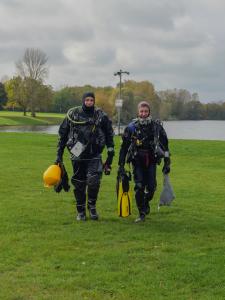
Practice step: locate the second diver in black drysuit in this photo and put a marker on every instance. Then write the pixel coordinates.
(144, 144)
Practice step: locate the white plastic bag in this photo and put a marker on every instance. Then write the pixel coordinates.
(167, 194)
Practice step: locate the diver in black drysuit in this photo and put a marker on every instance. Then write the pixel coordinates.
(85, 131)
(144, 144)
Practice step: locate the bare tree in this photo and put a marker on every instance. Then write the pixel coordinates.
(33, 64)
(33, 69)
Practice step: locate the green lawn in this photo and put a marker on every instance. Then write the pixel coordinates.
(17, 118)
(178, 253)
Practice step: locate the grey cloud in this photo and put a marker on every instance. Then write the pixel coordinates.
(145, 13)
(23, 7)
(105, 56)
(171, 43)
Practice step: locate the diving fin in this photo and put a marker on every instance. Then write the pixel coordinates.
(124, 195)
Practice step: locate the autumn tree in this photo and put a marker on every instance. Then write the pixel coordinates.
(17, 96)
(64, 99)
(19, 91)
(39, 95)
(194, 110)
(104, 99)
(136, 92)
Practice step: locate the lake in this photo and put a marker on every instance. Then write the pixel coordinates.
(195, 130)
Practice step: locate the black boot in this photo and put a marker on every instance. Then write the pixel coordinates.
(140, 218)
(93, 213)
(81, 212)
(92, 209)
(148, 197)
(147, 208)
(141, 205)
(80, 198)
(81, 216)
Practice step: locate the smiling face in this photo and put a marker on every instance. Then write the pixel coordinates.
(89, 101)
(143, 112)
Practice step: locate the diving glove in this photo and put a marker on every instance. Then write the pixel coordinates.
(166, 166)
(107, 168)
(110, 155)
(107, 165)
(58, 160)
(64, 182)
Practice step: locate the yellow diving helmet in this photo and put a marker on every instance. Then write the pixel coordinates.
(52, 176)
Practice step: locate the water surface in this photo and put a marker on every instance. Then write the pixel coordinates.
(195, 130)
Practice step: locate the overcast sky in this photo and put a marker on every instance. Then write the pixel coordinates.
(172, 43)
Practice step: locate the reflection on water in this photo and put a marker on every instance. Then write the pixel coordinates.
(197, 130)
(49, 129)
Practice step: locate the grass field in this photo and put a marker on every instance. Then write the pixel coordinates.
(17, 118)
(178, 253)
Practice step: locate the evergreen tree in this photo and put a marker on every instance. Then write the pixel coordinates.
(3, 96)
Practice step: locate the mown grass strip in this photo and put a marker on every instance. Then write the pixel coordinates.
(17, 118)
(178, 253)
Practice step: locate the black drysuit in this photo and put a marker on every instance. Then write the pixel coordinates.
(139, 146)
(93, 129)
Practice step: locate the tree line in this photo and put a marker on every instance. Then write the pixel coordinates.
(27, 91)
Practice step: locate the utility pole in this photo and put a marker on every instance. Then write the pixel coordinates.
(119, 102)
